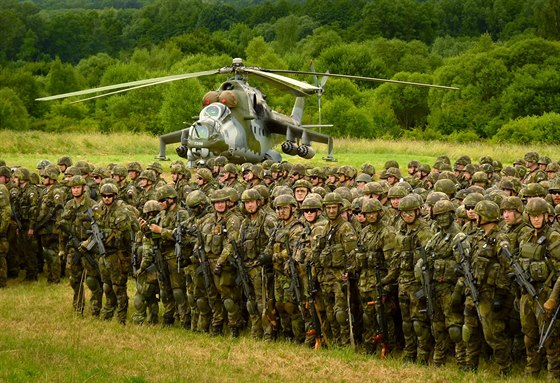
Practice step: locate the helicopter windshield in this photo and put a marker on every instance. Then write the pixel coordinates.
(215, 111)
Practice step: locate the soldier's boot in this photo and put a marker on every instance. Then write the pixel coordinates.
(235, 332)
(94, 285)
(167, 321)
(216, 330)
(122, 303)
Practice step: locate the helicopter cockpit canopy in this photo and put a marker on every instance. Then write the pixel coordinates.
(215, 111)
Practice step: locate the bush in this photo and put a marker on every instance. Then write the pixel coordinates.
(526, 130)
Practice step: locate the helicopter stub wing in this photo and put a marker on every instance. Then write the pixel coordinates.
(295, 87)
(124, 87)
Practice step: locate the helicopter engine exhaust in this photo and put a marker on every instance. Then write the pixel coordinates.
(182, 151)
(290, 148)
(305, 151)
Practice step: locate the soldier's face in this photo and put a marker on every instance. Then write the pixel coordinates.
(360, 217)
(143, 182)
(251, 206)
(220, 206)
(395, 202)
(284, 212)
(133, 174)
(300, 194)
(470, 213)
(310, 215)
(408, 216)
(538, 221)
(372, 217)
(77, 190)
(555, 194)
(509, 216)
(332, 211)
(175, 177)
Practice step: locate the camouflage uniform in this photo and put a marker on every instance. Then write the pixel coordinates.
(52, 204)
(217, 233)
(5, 214)
(284, 243)
(411, 236)
(75, 224)
(494, 290)
(539, 256)
(375, 261)
(114, 223)
(335, 259)
(172, 287)
(254, 236)
(448, 320)
(26, 207)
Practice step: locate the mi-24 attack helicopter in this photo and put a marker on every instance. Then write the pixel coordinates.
(236, 121)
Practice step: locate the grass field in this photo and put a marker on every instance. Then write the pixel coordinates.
(27, 148)
(41, 340)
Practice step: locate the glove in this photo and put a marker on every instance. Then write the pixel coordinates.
(218, 269)
(457, 299)
(550, 305)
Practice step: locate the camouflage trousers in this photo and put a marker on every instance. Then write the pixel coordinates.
(374, 321)
(416, 324)
(80, 271)
(146, 301)
(447, 326)
(290, 314)
(260, 327)
(532, 323)
(173, 296)
(114, 275)
(49, 242)
(3, 261)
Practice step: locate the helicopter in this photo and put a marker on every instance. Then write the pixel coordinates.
(236, 122)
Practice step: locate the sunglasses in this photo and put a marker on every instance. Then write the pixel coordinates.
(96, 177)
(311, 211)
(554, 192)
(107, 196)
(469, 207)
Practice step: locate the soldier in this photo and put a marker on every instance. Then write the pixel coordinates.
(539, 255)
(413, 233)
(377, 273)
(534, 173)
(134, 170)
(64, 163)
(146, 301)
(253, 176)
(228, 178)
(204, 181)
(114, 223)
(171, 277)
(127, 190)
(180, 176)
(199, 211)
(75, 226)
(158, 170)
(25, 207)
(395, 194)
(335, 258)
(254, 235)
(219, 231)
(488, 317)
(5, 216)
(447, 319)
(301, 189)
(50, 209)
(146, 183)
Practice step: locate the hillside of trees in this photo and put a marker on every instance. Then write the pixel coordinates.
(504, 55)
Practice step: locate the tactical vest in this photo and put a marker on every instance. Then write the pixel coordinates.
(532, 258)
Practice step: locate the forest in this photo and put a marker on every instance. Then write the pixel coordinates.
(504, 55)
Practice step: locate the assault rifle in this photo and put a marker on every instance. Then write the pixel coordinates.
(470, 281)
(546, 334)
(204, 264)
(295, 285)
(243, 276)
(160, 264)
(178, 240)
(426, 290)
(96, 233)
(315, 319)
(521, 276)
(383, 336)
(76, 245)
(269, 310)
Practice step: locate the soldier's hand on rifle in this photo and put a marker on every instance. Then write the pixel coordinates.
(218, 269)
(550, 305)
(30, 233)
(155, 228)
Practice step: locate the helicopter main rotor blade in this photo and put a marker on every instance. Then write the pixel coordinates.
(297, 88)
(128, 86)
(362, 78)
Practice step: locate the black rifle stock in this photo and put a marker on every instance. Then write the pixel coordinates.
(470, 281)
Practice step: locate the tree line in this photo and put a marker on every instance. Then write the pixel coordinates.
(503, 54)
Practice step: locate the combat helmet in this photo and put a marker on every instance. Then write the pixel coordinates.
(52, 171)
(196, 198)
(443, 206)
(148, 175)
(512, 203)
(488, 211)
(333, 199)
(219, 195)
(410, 202)
(251, 195)
(22, 174)
(537, 206)
(397, 192)
(151, 206)
(119, 171)
(284, 200)
(166, 192)
(5, 172)
(371, 205)
(77, 180)
(534, 190)
(108, 188)
(64, 160)
(312, 202)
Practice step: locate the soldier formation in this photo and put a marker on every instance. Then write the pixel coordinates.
(446, 262)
